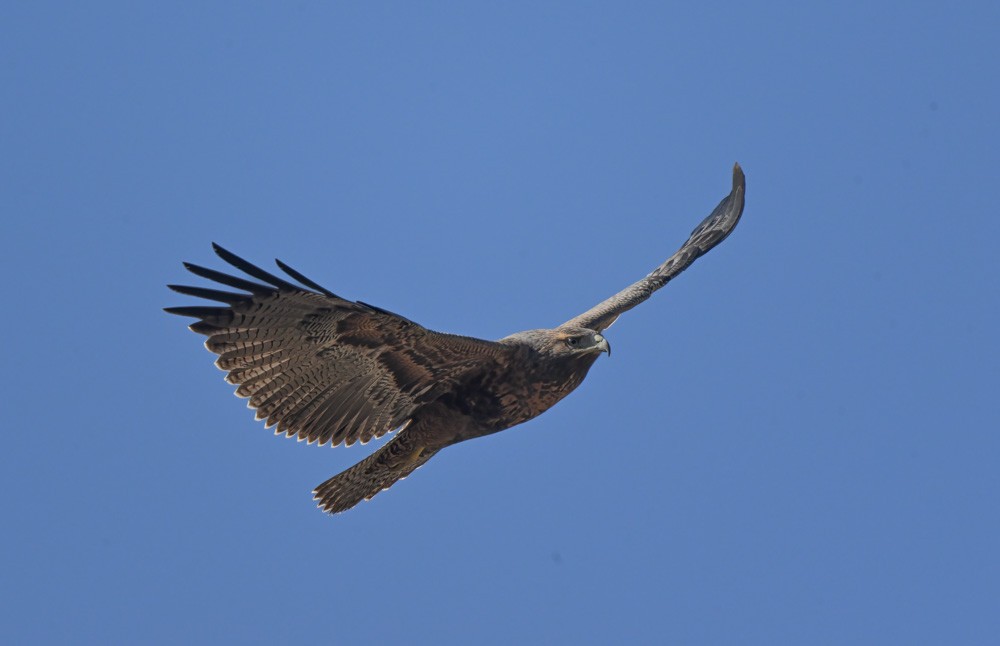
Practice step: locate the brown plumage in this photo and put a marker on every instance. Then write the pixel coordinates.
(328, 370)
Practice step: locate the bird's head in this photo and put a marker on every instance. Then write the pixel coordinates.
(564, 342)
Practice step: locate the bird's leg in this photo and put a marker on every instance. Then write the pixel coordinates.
(414, 456)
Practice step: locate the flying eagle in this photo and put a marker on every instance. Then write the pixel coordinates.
(322, 368)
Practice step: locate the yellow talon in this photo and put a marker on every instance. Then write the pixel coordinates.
(414, 456)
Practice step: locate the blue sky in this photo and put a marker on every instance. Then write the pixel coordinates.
(794, 442)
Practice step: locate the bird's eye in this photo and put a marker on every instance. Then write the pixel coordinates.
(573, 341)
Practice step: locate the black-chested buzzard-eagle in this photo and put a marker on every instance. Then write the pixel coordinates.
(325, 369)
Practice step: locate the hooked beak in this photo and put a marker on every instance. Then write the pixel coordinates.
(602, 344)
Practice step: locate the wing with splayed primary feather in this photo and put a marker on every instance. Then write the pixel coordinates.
(712, 230)
(320, 367)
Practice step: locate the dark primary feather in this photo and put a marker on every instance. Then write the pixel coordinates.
(199, 311)
(319, 367)
(230, 298)
(251, 269)
(226, 279)
(712, 230)
(302, 279)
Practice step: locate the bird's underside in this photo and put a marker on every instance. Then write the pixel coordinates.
(325, 369)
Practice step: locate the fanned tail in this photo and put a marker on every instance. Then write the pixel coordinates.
(379, 471)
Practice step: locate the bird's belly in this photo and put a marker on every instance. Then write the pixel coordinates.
(508, 403)
(521, 406)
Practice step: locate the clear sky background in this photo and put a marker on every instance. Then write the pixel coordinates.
(794, 442)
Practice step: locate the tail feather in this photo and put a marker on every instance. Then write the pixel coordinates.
(379, 471)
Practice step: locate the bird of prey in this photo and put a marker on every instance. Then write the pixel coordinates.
(325, 369)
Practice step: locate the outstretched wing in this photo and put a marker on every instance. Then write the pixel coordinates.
(712, 230)
(318, 366)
